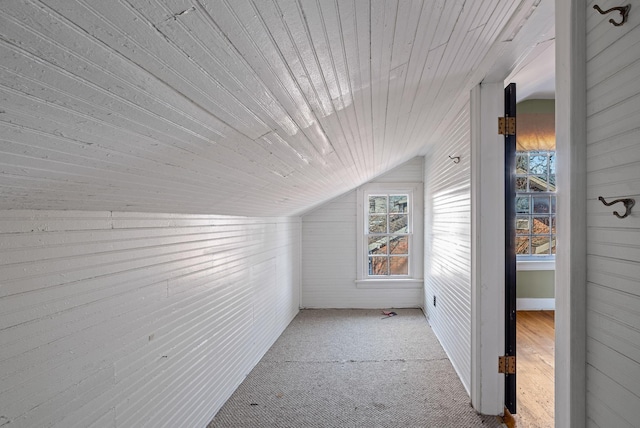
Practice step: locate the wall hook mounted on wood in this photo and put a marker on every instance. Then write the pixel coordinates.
(628, 203)
(456, 159)
(624, 11)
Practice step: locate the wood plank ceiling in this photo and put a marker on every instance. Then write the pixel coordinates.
(263, 107)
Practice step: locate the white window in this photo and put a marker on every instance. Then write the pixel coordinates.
(390, 218)
(535, 204)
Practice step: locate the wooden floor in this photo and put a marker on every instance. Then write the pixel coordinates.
(535, 369)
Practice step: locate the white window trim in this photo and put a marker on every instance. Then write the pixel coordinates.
(416, 248)
(536, 263)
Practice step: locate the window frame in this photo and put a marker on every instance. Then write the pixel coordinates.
(415, 232)
(537, 261)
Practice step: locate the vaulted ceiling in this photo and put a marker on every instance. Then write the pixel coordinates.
(263, 107)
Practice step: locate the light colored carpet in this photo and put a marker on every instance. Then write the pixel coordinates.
(351, 368)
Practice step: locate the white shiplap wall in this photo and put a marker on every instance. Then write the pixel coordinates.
(613, 245)
(448, 244)
(131, 320)
(329, 253)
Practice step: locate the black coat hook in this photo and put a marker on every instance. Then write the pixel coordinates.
(456, 159)
(628, 203)
(624, 11)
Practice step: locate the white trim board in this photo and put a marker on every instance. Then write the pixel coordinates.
(390, 283)
(487, 248)
(529, 265)
(535, 304)
(571, 260)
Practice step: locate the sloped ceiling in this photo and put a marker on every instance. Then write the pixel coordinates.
(534, 76)
(263, 107)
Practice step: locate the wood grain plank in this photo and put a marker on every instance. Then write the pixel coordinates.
(535, 368)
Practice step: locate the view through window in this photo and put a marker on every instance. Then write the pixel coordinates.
(388, 234)
(536, 203)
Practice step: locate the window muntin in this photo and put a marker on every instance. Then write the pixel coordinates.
(388, 234)
(535, 203)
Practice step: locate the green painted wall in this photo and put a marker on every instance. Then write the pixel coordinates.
(535, 284)
(536, 106)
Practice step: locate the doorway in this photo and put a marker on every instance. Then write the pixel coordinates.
(534, 172)
(530, 78)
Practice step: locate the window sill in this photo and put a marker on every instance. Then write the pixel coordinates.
(391, 283)
(528, 264)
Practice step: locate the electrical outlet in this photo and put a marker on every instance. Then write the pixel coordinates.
(434, 300)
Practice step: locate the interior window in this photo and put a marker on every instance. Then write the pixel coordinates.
(536, 203)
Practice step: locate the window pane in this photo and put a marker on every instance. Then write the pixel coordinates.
(552, 163)
(522, 204)
(387, 232)
(521, 184)
(377, 224)
(377, 204)
(538, 183)
(522, 163)
(398, 223)
(553, 204)
(541, 204)
(552, 183)
(378, 244)
(399, 245)
(522, 226)
(538, 163)
(378, 265)
(553, 244)
(522, 244)
(541, 226)
(540, 245)
(553, 224)
(399, 265)
(398, 204)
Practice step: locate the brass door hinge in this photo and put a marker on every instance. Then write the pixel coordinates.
(507, 364)
(507, 126)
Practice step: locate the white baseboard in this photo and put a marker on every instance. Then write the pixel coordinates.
(532, 304)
